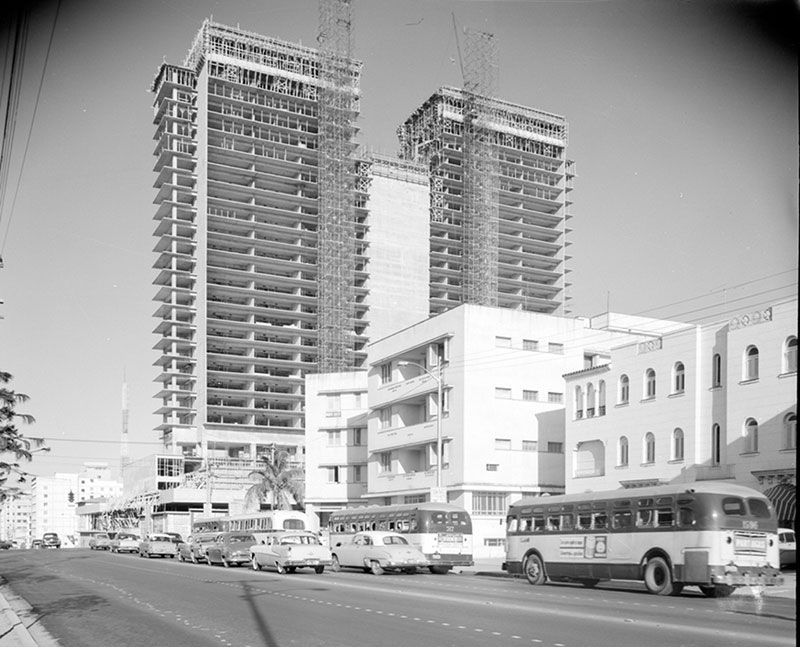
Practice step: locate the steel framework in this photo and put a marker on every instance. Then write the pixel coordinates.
(338, 95)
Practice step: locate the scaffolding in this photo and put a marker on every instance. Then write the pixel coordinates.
(481, 171)
(338, 104)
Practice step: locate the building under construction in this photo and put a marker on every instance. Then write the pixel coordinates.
(500, 187)
(260, 225)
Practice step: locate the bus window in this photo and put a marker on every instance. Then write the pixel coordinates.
(553, 522)
(600, 520)
(585, 521)
(513, 524)
(664, 500)
(567, 522)
(645, 518)
(733, 506)
(538, 524)
(621, 519)
(645, 503)
(665, 518)
(402, 525)
(686, 517)
(758, 508)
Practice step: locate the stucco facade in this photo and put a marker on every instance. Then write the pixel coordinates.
(713, 401)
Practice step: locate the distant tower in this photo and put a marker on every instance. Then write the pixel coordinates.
(124, 457)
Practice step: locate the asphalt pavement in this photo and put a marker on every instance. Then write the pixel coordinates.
(19, 624)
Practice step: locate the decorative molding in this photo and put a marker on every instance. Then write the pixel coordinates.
(750, 319)
(649, 346)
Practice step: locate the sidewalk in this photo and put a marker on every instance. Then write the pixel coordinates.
(491, 568)
(18, 623)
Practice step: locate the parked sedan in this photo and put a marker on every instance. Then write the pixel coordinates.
(100, 541)
(376, 552)
(289, 550)
(230, 548)
(194, 548)
(157, 544)
(125, 542)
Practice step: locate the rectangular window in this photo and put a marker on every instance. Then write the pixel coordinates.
(334, 438)
(557, 398)
(333, 474)
(358, 436)
(492, 467)
(530, 344)
(386, 417)
(502, 342)
(385, 461)
(531, 396)
(358, 473)
(386, 373)
(489, 503)
(529, 445)
(502, 443)
(555, 348)
(502, 392)
(334, 403)
(357, 400)
(555, 448)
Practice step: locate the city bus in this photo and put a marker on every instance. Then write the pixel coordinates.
(441, 531)
(713, 535)
(259, 523)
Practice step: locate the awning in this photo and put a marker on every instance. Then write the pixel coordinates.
(783, 497)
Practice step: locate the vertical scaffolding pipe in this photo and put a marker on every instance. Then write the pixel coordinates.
(336, 231)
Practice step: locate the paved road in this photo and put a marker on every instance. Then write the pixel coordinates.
(88, 599)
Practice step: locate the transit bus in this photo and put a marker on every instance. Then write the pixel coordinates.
(258, 523)
(441, 531)
(713, 535)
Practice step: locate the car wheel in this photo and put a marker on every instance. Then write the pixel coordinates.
(319, 569)
(375, 568)
(254, 563)
(335, 565)
(410, 570)
(226, 563)
(194, 558)
(280, 568)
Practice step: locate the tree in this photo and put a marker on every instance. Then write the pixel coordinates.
(279, 482)
(14, 447)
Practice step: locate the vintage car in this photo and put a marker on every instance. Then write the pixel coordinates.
(786, 547)
(230, 548)
(51, 540)
(194, 548)
(125, 542)
(100, 541)
(288, 550)
(157, 544)
(376, 552)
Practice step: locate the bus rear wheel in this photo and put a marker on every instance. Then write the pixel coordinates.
(534, 569)
(658, 577)
(718, 591)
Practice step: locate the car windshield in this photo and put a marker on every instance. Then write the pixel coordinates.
(240, 539)
(394, 539)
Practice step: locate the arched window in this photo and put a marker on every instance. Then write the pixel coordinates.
(716, 370)
(622, 452)
(716, 444)
(790, 431)
(578, 402)
(590, 400)
(678, 378)
(649, 384)
(649, 448)
(624, 389)
(790, 355)
(751, 363)
(750, 436)
(677, 444)
(601, 398)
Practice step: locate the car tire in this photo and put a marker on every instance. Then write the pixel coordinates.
(335, 565)
(194, 558)
(375, 568)
(226, 563)
(280, 568)
(254, 563)
(319, 569)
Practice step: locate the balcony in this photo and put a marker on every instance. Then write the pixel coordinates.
(393, 392)
(395, 437)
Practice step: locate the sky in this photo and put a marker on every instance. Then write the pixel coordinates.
(683, 124)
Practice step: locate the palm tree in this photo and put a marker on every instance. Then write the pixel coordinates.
(279, 482)
(11, 440)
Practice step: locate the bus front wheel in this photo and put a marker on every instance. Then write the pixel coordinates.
(534, 569)
(658, 577)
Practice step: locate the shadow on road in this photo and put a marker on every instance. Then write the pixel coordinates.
(250, 595)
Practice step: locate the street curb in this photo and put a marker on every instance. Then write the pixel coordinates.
(19, 624)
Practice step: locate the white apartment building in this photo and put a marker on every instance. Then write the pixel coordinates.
(499, 372)
(336, 443)
(16, 518)
(713, 401)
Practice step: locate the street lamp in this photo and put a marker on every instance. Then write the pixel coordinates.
(438, 379)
